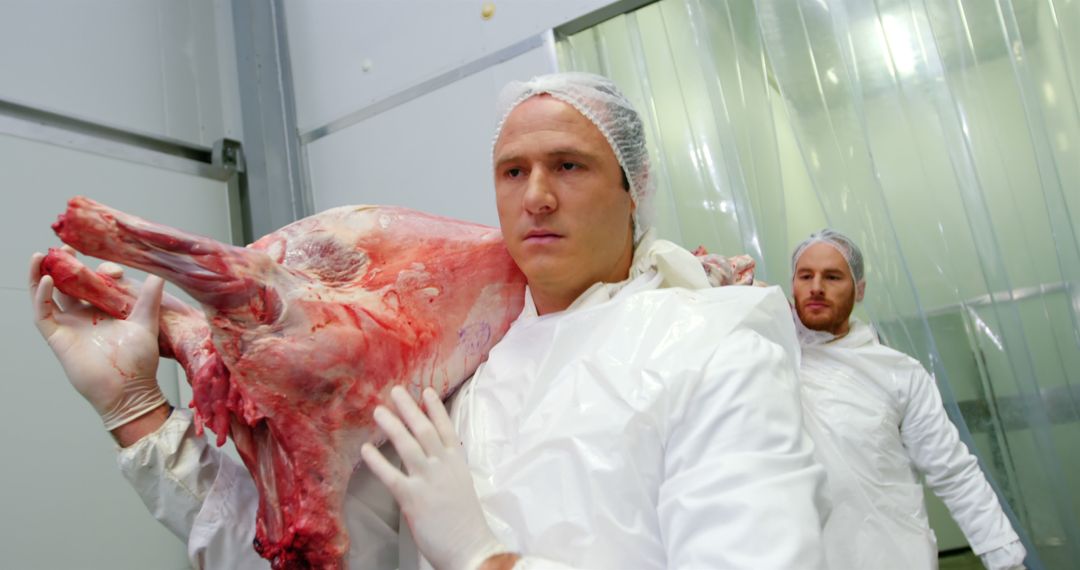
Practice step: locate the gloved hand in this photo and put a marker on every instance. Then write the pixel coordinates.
(437, 495)
(112, 363)
(1008, 557)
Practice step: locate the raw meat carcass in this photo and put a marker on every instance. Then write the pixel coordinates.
(720, 270)
(304, 333)
(184, 333)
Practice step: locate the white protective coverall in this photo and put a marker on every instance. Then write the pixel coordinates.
(877, 422)
(644, 427)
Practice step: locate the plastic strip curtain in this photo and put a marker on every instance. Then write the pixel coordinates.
(942, 135)
(714, 185)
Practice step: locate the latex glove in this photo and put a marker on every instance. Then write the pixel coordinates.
(1008, 557)
(437, 494)
(112, 363)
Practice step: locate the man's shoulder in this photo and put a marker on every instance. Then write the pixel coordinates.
(714, 298)
(876, 356)
(710, 318)
(898, 358)
(720, 307)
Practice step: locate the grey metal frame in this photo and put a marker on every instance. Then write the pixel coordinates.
(278, 189)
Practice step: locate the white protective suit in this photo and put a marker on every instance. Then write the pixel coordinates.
(877, 422)
(644, 427)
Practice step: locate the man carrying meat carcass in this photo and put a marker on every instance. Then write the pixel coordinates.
(632, 417)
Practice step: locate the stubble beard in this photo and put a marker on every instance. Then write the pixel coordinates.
(829, 321)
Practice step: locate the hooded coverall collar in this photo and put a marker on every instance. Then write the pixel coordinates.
(656, 263)
(859, 334)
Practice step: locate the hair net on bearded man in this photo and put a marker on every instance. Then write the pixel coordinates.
(842, 243)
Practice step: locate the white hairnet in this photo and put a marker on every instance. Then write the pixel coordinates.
(841, 243)
(599, 100)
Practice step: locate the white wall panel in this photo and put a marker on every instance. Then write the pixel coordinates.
(163, 67)
(432, 153)
(39, 179)
(405, 41)
(64, 504)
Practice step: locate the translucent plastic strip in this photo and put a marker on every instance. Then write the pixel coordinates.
(770, 198)
(1065, 239)
(965, 175)
(870, 13)
(1066, 56)
(1053, 187)
(957, 132)
(776, 206)
(730, 167)
(709, 173)
(660, 169)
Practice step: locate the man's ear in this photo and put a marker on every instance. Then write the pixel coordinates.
(860, 290)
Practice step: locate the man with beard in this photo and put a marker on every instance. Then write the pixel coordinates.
(878, 424)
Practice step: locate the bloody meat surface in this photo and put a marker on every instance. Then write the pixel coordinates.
(302, 333)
